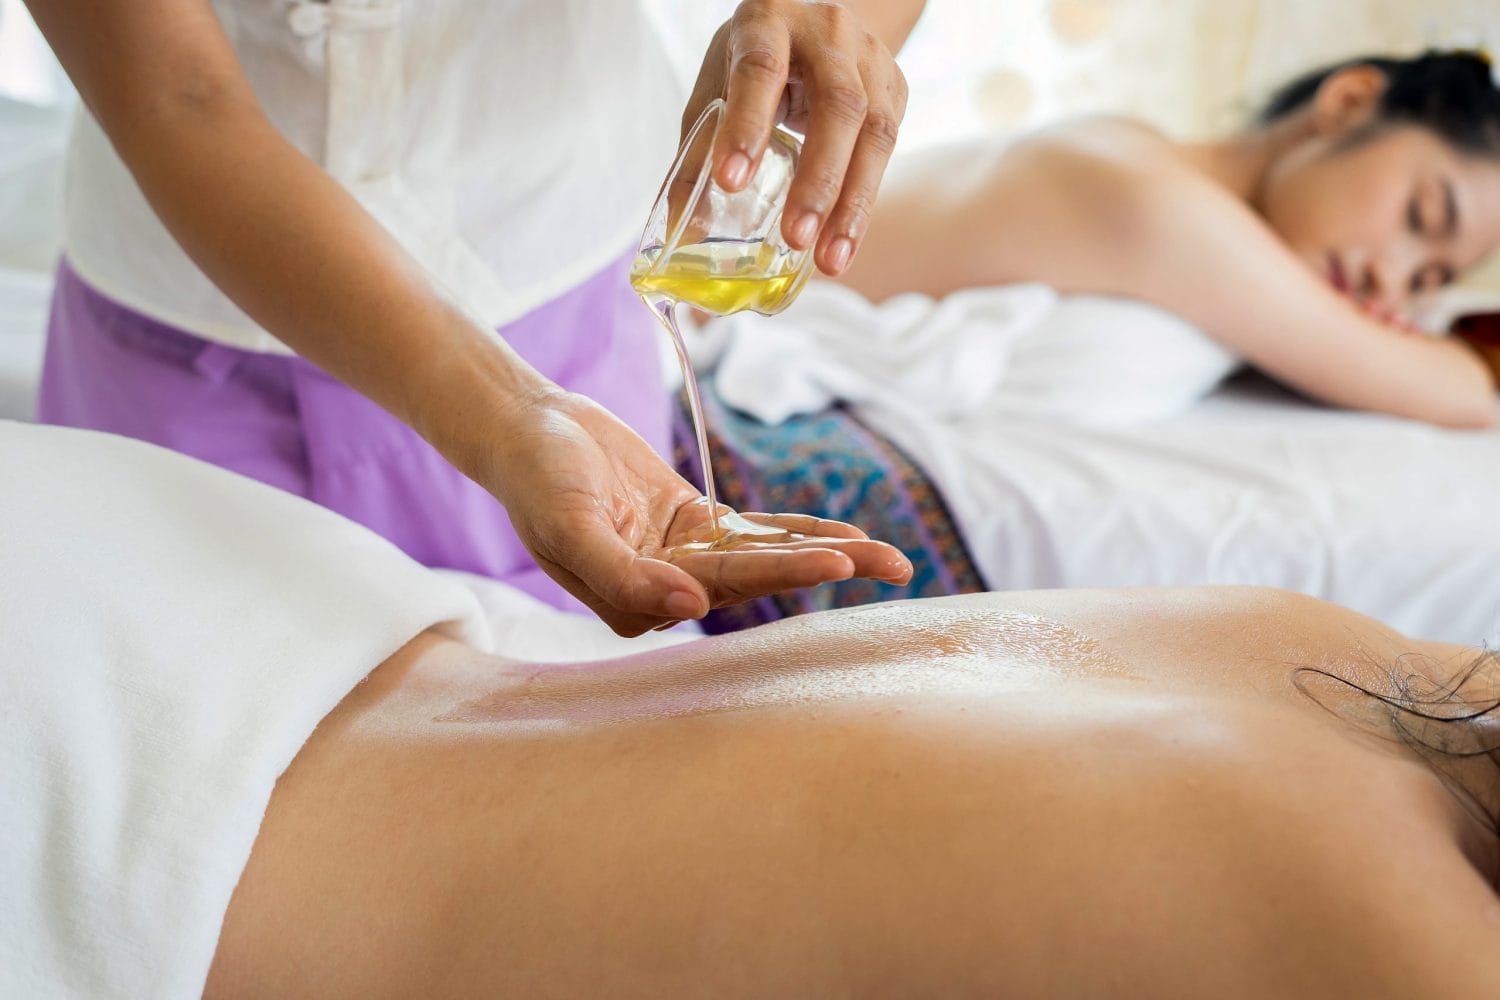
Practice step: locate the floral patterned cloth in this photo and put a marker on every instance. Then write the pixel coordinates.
(830, 465)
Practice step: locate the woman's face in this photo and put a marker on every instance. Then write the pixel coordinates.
(1385, 215)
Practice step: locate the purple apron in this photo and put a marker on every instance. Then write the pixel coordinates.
(281, 420)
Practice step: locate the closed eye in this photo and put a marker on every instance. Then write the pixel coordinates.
(1422, 223)
(1431, 278)
(1414, 217)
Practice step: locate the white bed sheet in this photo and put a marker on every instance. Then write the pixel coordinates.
(1389, 517)
(1398, 520)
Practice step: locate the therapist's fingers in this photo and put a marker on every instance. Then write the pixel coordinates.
(743, 574)
(844, 89)
(850, 218)
(807, 524)
(837, 108)
(871, 559)
(752, 569)
(759, 51)
(629, 592)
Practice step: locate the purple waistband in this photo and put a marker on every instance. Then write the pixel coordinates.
(285, 422)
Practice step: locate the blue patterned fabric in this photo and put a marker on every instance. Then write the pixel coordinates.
(830, 465)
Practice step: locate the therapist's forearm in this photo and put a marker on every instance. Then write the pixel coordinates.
(292, 248)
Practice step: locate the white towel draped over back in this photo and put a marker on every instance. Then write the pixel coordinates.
(170, 634)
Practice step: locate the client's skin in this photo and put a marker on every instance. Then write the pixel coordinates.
(1064, 794)
(1302, 244)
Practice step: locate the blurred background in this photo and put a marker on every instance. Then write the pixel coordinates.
(1193, 67)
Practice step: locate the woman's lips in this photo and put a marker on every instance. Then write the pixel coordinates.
(1336, 276)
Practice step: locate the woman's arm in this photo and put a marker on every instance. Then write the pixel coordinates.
(594, 505)
(1091, 209)
(1208, 258)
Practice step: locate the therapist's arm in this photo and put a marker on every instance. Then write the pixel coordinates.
(835, 61)
(293, 249)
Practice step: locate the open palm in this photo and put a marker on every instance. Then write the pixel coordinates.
(602, 513)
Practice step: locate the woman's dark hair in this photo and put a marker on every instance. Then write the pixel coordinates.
(1452, 93)
(1453, 724)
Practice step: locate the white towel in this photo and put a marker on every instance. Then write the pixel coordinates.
(170, 634)
(1017, 350)
(523, 628)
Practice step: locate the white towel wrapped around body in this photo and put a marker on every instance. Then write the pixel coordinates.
(1015, 349)
(171, 635)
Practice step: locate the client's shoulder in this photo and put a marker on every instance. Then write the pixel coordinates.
(1122, 147)
(1120, 174)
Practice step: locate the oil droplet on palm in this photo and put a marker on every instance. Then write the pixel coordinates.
(732, 531)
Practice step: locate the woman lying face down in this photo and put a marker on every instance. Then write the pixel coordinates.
(1304, 243)
(1091, 793)
(226, 759)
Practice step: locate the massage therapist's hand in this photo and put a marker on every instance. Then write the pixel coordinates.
(843, 90)
(598, 510)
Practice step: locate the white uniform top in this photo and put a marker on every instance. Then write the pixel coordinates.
(512, 146)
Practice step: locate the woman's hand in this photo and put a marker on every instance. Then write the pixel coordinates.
(599, 510)
(843, 90)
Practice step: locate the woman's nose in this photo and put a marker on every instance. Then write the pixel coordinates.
(1386, 282)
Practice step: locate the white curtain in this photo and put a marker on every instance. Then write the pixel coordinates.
(1192, 66)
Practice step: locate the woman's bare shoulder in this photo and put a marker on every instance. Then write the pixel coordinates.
(1123, 148)
(1100, 152)
(1074, 205)
(1102, 179)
